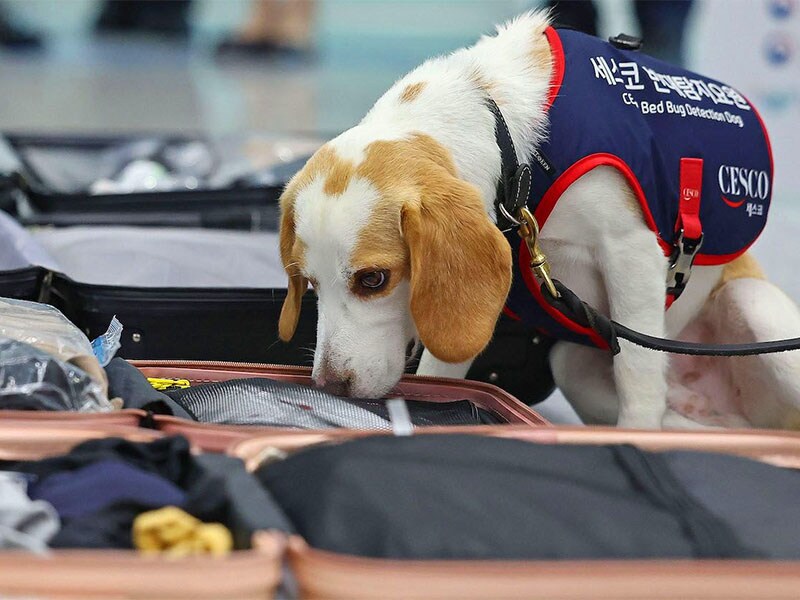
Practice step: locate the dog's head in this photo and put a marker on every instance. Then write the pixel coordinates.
(397, 248)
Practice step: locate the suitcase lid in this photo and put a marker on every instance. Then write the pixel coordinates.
(779, 448)
(78, 574)
(36, 439)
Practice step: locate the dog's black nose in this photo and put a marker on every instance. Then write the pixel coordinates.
(337, 387)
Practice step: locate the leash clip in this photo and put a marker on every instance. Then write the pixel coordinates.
(529, 231)
(680, 263)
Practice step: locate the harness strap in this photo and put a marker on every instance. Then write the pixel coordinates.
(691, 182)
(514, 185)
(688, 226)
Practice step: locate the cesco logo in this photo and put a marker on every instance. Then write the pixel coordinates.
(741, 181)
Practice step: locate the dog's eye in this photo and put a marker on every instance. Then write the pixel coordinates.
(372, 280)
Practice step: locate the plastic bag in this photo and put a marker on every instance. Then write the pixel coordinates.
(105, 347)
(45, 328)
(31, 379)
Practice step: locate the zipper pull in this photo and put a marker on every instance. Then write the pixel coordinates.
(45, 288)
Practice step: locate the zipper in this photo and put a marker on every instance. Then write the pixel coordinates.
(190, 364)
(46, 288)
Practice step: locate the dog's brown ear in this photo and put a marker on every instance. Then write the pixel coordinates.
(290, 313)
(460, 268)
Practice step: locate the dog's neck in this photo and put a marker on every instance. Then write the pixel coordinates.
(446, 99)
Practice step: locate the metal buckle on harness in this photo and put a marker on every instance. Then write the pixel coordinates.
(529, 231)
(680, 263)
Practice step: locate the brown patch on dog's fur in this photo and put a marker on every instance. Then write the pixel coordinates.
(325, 162)
(742, 267)
(386, 166)
(292, 256)
(381, 247)
(412, 90)
(339, 174)
(435, 225)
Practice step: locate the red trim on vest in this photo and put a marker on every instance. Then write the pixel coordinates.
(766, 137)
(691, 187)
(557, 78)
(511, 314)
(580, 168)
(769, 150)
(561, 319)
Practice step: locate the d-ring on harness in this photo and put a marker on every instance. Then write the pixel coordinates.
(512, 212)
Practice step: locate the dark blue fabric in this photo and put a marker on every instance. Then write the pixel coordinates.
(103, 484)
(590, 116)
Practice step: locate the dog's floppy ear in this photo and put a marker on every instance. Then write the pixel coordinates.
(460, 268)
(290, 313)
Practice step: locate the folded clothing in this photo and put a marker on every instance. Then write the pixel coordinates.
(25, 524)
(262, 401)
(471, 497)
(127, 382)
(214, 488)
(104, 483)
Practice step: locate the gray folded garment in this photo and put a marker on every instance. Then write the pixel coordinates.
(267, 402)
(25, 524)
(272, 403)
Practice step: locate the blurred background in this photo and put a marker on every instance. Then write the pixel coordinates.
(318, 65)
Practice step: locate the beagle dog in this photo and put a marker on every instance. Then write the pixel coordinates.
(394, 223)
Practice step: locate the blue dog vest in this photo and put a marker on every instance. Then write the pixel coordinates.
(694, 151)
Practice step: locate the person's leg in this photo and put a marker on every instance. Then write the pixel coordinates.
(663, 23)
(275, 26)
(156, 16)
(12, 36)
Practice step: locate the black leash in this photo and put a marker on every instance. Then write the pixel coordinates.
(512, 196)
(676, 347)
(577, 310)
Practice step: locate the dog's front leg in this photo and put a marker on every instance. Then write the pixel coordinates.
(634, 271)
(432, 366)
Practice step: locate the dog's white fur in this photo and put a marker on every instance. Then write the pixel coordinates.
(597, 244)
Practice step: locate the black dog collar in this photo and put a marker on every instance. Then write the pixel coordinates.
(514, 185)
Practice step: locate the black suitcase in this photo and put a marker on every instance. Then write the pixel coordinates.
(230, 182)
(189, 322)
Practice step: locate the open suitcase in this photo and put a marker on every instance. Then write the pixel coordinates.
(78, 574)
(324, 574)
(203, 279)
